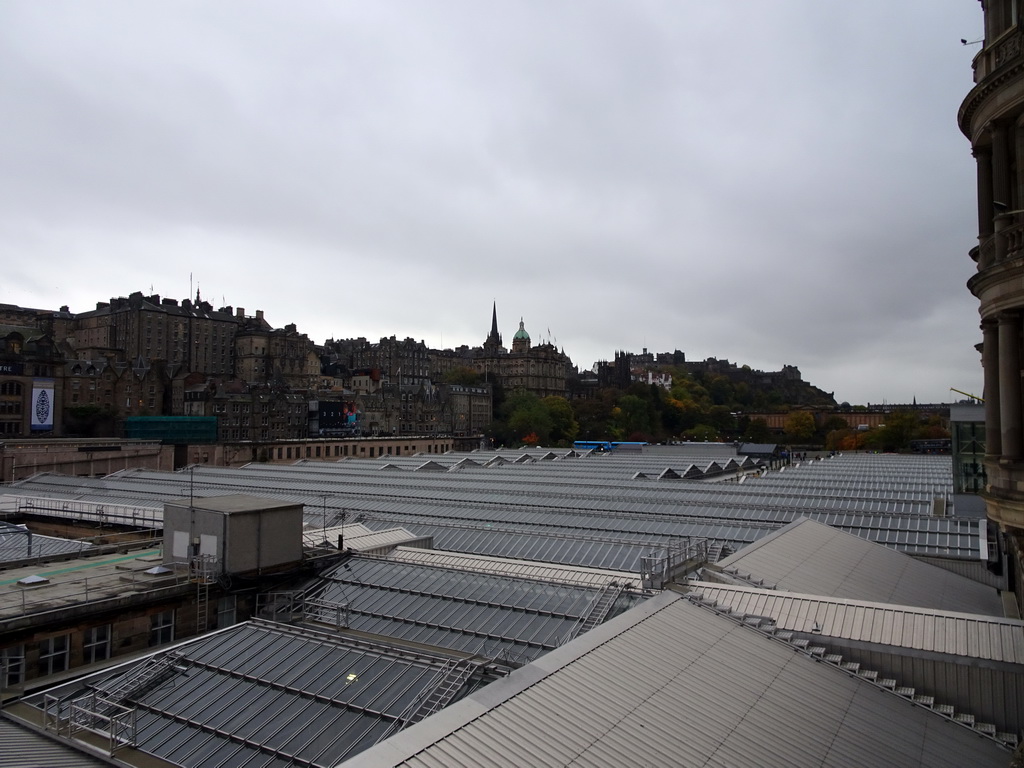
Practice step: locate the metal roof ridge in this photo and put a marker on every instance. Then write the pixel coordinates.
(408, 743)
(872, 604)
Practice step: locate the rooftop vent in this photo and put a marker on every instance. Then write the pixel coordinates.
(33, 581)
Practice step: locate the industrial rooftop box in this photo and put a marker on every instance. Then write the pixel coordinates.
(242, 533)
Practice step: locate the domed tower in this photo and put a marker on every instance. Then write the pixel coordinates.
(992, 117)
(521, 341)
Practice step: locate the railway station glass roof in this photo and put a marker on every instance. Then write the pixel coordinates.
(263, 694)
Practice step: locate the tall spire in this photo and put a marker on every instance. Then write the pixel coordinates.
(493, 338)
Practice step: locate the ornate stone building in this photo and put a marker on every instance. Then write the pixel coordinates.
(192, 335)
(282, 357)
(992, 117)
(405, 362)
(542, 369)
(30, 383)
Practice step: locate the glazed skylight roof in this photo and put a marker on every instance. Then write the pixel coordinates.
(887, 499)
(263, 694)
(476, 613)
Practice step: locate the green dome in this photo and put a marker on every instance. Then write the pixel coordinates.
(521, 333)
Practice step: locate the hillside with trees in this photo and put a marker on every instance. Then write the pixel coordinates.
(700, 405)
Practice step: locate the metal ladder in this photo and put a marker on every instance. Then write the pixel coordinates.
(142, 679)
(201, 571)
(715, 551)
(444, 692)
(202, 606)
(601, 607)
(443, 688)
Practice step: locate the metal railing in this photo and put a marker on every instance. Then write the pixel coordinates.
(284, 607)
(89, 589)
(661, 568)
(119, 514)
(318, 609)
(94, 713)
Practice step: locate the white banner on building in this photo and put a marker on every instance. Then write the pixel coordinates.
(42, 404)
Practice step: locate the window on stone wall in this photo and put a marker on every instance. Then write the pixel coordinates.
(12, 665)
(1000, 17)
(226, 611)
(96, 644)
(161, 628)
(53, 655)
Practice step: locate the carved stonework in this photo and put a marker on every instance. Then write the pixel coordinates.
(1008, 49)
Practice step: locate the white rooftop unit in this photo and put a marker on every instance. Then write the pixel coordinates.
(234, 534)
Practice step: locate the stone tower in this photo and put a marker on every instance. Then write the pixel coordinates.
(992, 117)
(493, 341)
(521, 341)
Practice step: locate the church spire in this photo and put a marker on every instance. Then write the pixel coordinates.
(493, 338)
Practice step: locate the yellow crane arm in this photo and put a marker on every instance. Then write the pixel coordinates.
(979, 399)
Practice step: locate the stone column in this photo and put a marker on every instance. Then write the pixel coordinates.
(983, 154)
(1009, 385)
(990, 365)
(1018, 179)
(1000, 166)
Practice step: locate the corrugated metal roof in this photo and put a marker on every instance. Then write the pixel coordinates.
(672, 683)
(960, 634)
(17, 544)
(812, 558)
(21, 747)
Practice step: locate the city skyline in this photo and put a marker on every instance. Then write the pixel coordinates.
(775, 186)
(259, 313)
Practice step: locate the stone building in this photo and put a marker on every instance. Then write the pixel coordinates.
(80, 457)
(405, 362)
(31, 396)
(245, 412)
(192, 335)
(147, 356)
(280, 356)
(992, 118)
(470, 409)
(541, 369)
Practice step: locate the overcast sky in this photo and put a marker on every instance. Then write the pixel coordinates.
(775, 183)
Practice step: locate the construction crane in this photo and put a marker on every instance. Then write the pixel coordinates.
(975, 397)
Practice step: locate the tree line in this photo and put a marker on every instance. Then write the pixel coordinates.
(697, 407)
